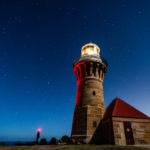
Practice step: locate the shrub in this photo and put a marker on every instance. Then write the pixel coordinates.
(2, 144)
(65, 139)
(53, 141)
(30, 143)
(43, 141)
(19, 144)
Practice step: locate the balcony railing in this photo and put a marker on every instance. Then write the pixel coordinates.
(86, 58)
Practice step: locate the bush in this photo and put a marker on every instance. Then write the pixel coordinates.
(43, 141)
(30, 143)
(53, 141)
(19, 144)
(65, 139)
(2, 144)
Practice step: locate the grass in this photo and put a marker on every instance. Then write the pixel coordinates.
(101, 147)
(72, 147)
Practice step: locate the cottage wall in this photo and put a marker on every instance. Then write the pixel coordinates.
(140, 128)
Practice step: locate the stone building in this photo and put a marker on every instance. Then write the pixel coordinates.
(89, 69)
(122, 124)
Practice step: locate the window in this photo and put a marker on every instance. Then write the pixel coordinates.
(94, 124)
(94, 93)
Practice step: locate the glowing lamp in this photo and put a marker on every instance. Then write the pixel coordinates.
(90, 50)
(39, 130)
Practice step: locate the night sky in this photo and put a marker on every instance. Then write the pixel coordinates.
(39, 40)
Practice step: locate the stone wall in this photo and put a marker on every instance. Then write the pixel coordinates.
(94, 116)
(85, 123)
(79, 125)
(106, 132)
(118, 129)
(140, 128)
(89, 107)
(141, 131)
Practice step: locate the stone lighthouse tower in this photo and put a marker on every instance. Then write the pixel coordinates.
(89, 69)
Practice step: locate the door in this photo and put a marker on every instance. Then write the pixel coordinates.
(128, 133)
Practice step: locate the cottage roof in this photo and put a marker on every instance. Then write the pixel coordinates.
(119, 108)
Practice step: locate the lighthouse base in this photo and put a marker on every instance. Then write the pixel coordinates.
(86, 122)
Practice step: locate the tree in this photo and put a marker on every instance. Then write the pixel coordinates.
(65, 139)
(53, 141)
(43, 141)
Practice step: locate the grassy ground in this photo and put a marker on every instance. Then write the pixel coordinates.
(72, 147)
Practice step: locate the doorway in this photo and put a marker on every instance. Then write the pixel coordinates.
(128, 133)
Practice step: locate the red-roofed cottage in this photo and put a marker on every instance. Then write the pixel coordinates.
(122, 124)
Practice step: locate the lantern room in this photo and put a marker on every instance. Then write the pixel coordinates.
(90, 49)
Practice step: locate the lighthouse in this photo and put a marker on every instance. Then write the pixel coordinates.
(90, 70)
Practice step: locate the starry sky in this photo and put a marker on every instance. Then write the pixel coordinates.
(39, 40)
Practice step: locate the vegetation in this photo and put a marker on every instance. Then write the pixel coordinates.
(53, 141)
(65, 139)
(2, 144)
(43, 141)
(73, 147)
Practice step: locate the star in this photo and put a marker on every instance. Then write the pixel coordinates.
(140, 12)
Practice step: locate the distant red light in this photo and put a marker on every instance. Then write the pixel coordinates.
(39, 130)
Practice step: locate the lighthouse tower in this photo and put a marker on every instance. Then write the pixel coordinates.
(89, 69)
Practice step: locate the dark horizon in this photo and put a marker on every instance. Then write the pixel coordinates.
(40, 39)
